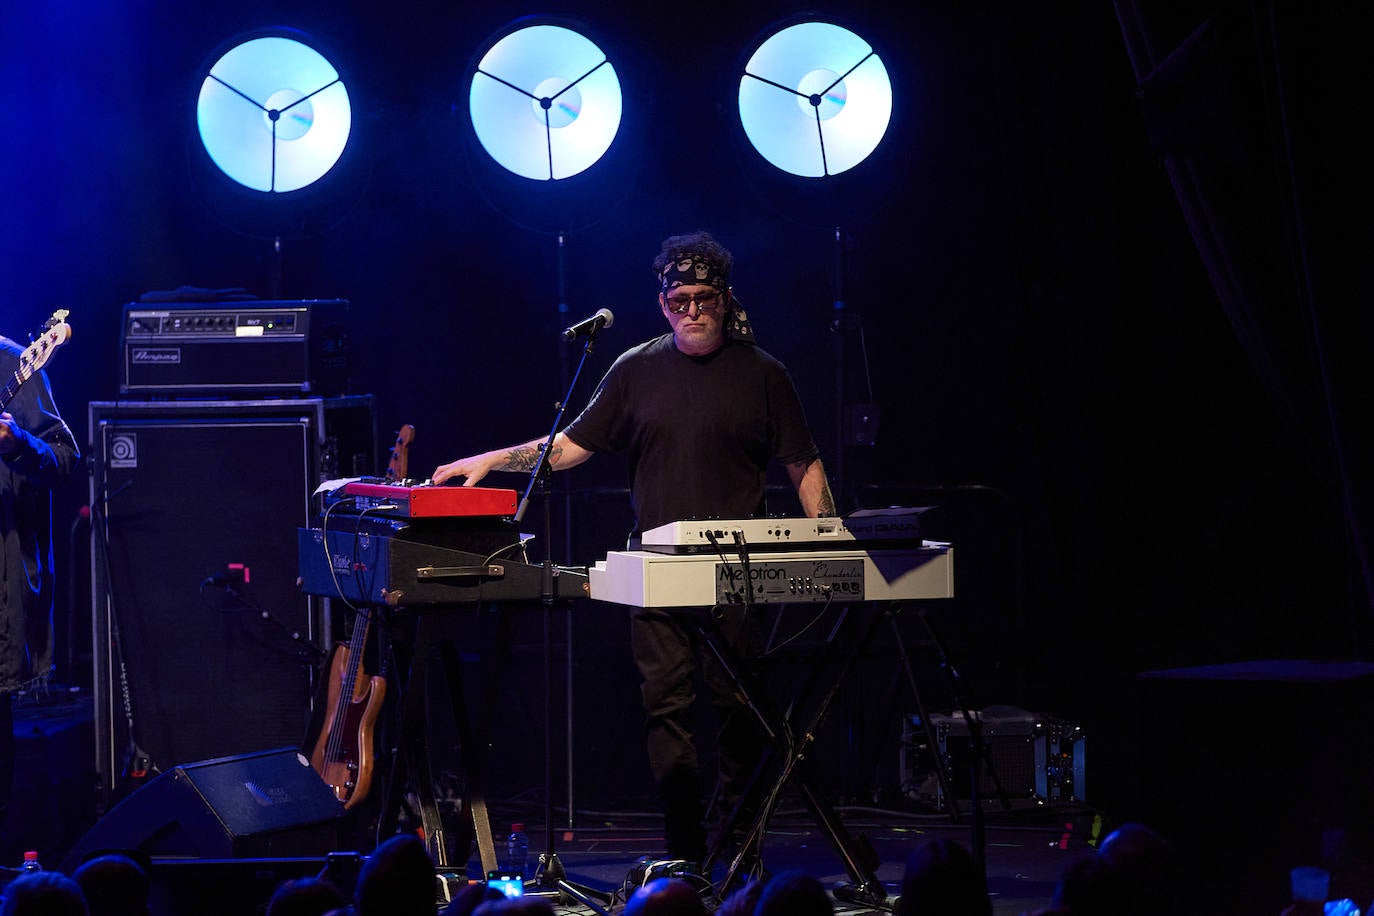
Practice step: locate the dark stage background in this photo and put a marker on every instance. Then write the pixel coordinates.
(1129, 482)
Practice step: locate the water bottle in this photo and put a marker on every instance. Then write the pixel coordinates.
(31, 862)
(517, 851)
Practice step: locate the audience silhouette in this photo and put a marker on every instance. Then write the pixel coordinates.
(398, 879)
(1148, 868)
(515, 906)
(304, 897)
(44, 893)
(665, 897)
(469, 898)
(114, 885)
(942, 879)
(742, 901)
(1091, 886)
(794, 893)
(1135, 871)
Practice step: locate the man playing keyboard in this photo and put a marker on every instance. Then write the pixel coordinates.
(700, 411)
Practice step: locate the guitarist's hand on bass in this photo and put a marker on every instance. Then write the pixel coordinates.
(10, 438)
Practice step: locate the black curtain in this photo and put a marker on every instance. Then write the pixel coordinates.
(1253, 109)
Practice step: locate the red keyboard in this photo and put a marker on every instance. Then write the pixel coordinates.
(430, 501)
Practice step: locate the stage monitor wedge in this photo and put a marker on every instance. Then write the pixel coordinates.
(271, 803)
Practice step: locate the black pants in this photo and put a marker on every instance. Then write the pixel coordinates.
(669, 649)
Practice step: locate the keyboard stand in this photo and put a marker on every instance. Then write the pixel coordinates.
(789, 750)
(414, 731)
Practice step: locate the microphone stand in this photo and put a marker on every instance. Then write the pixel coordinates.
(979, 754)
(549, 873)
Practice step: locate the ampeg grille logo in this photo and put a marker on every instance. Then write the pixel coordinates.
(266, 796)
(156, 356)
(124, 450)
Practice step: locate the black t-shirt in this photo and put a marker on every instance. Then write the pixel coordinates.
(699, 430)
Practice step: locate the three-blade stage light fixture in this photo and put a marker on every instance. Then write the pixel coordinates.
(545, 102)
(815, 99)
(273, 114)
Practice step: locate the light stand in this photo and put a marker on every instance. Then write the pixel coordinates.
(815, 101)
(545, 105)
(840, 326)
(978, 753)
(274, 120)
(856, 422)
(550, 873)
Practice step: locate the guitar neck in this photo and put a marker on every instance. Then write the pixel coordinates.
(10, 390)
(356, 645)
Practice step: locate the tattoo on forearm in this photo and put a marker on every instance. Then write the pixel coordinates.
(525, 457)
(522, 458)
(825, 502)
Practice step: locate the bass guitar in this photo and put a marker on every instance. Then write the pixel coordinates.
(344, 754)
(55, 333)
(399, 463)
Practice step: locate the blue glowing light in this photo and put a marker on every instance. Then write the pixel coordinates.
(273, 114)
(815, 100)
(545, 102)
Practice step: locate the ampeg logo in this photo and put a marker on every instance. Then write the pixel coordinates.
(266, 796)
(149, 356)
(124, 450)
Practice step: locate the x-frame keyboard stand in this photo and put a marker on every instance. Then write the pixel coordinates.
(793, 745)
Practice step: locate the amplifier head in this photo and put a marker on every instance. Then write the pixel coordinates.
(237, 348)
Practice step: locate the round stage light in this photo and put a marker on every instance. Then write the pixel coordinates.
(545, 102)
(815, 99)
(273, 114)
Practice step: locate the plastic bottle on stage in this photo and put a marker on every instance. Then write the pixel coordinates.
(30, 862)
(517, 851)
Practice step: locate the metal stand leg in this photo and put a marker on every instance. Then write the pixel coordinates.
(941, 771)
(414, 725)
(415, 745)
(859, 859)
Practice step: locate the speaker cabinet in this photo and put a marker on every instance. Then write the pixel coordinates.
(267, 804)
(203, 646)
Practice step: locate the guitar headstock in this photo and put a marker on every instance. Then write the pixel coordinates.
(54, 334)
(399, 463)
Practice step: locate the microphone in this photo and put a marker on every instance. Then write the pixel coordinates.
(589, 326)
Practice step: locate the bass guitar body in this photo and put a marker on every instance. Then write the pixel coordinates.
(344, 754)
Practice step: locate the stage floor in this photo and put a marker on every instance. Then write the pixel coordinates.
(1023, 865)
(1249, 800)
(1025, 850)
(1023, 861)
